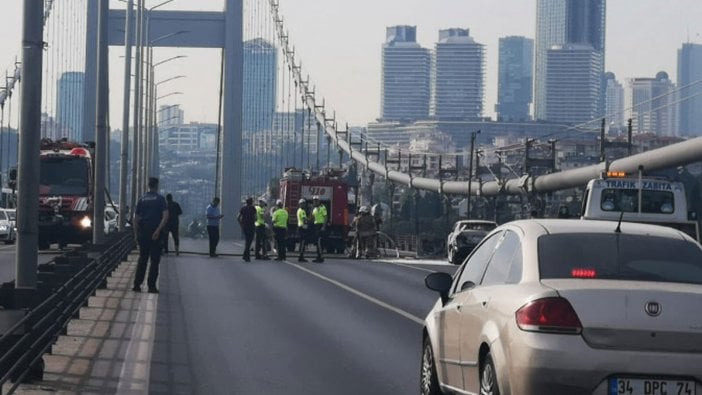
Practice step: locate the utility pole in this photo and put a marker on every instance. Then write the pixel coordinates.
(629, 133)
(603, 157)
(470, 170)
(101, 133)
(124, 153)
(29, 145)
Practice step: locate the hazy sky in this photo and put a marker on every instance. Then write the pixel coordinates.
(339, 43)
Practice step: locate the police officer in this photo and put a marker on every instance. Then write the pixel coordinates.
(302, 228)
(261, 230)
(280, 228)
(150, 218)
(319, 218)
(247, 221)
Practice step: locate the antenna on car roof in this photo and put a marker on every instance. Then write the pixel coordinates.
(619, 224)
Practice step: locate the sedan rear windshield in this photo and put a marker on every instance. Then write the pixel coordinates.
(619, 257)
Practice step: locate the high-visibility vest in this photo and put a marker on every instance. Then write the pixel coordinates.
(280, 218)
(320, 215)
(301, 217)
(260, 213)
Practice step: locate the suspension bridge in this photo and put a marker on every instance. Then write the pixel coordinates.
(70, 322)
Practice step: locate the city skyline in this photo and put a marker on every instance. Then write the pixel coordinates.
(353, 50)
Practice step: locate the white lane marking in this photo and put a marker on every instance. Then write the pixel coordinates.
(361, 294)
(412, 264)
(136, 369)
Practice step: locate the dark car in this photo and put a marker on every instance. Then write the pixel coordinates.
(466, 234)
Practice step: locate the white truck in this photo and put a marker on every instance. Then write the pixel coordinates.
(641, 199)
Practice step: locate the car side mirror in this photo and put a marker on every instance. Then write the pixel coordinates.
(441, 283)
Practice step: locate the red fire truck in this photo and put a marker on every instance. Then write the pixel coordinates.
(65, 193)
(333, 193)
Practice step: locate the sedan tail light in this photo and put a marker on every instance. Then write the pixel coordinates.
(553, 315)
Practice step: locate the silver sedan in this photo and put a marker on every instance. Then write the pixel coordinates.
(569, 307)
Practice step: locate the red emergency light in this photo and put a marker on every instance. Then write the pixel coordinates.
(79, 152)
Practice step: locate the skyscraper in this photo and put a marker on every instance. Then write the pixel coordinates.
(689, 77)
(405, 90)
(69, 105)
(515, 78)
(573, 83)
(260, 68)
(649, 104)
(458, 76)
(560, 22)
(614, 101)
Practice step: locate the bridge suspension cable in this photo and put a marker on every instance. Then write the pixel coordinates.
(670, 156)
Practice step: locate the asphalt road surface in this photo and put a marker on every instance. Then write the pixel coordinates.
(7, 260)
(224, 326)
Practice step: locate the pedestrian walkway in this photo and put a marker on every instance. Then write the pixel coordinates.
(108, 349)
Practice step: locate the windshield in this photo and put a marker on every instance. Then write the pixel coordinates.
(620, 257)
(11, 214)
(63, 176)
(478, 226)
(627, 200)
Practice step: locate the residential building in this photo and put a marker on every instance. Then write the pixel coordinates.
(405, 90)
(650, 103)
(573, 83)
(690, 85)
(560, 22)
(458, 76)
(515, 78)
(260, 75)
(170, 116)
(69, 105)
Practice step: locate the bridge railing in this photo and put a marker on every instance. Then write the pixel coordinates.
(64, 286)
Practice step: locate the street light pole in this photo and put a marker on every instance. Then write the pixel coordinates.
(101, 133)
(124, 154)
(136, 185)
(470, 171)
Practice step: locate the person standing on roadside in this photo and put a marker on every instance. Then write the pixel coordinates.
(214, 217)
(150, 218)
(319, 216)
(174, 211)
(247, 221)
(302, 228)
(280, 228)
(261, 236)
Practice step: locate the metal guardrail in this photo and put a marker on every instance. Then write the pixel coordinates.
(64, 286)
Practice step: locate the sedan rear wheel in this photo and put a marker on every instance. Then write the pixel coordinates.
(488, 378)
(429, 380)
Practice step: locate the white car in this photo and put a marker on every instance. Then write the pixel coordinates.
(569, 307)
(7, 226)
(466, 234)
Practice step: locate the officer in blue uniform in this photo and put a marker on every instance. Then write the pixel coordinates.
(150, 218)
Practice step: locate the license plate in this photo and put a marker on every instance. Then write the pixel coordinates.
(636, 386)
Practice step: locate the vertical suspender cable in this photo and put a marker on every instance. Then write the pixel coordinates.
(218, 165)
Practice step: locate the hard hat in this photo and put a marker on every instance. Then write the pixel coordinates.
(364, 209)
(262, 202)
(302, 201)
(279, 202)
(315, 197)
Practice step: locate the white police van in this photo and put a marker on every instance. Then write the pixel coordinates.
(640, 199)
